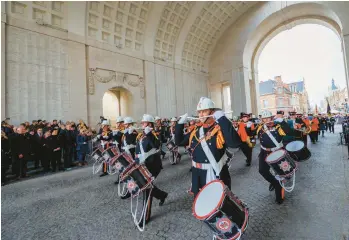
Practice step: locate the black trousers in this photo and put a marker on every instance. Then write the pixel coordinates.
(198, 177)
(155, 192)
(56, 160)
(312, 136)
(247, 151)
(68, 156)
(305, 139)
(20, 166)
(331, 126)
(158, 194)
(264, 170)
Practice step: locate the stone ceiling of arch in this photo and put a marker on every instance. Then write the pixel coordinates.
(124, 24)
(208, 26)
(118, 23)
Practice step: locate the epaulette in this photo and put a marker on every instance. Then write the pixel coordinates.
(259, 128)
(154, 133)
(139, 135)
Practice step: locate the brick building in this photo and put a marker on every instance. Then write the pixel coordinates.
(276, 95)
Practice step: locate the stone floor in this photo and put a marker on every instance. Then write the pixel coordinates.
(77, 205)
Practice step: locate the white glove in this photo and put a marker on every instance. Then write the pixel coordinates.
(249, 124)
(278, 120)
(105, 137)
(147, 130)
(115, 132)
(218, 114)
(98, 136)
(130, 130)
(183, 119)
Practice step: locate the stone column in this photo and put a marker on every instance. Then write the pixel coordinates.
(240, 91)
(3, 72)
(346, 56)
(150, 88)
(3, 59)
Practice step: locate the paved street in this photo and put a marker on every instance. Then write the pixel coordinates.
(77, 205)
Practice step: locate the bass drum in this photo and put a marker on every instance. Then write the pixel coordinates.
(225, 214)
(298, 151)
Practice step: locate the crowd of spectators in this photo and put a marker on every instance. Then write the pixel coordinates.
(48, 146)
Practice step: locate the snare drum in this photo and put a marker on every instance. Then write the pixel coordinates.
(225, 214)
(111, 154)
(298, 151)
(124, 163)
(281, 164)
(171, 146)
(137, 179)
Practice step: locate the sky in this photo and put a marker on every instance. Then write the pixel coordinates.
(308, 51)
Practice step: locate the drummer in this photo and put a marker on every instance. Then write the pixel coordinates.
(208, 142)
(147, 141)
(271, 134)
(292, 124)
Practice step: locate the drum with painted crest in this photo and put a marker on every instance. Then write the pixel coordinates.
(298, 151)
(137, 179)
(281, 164)
(124, 163)
(224, 213)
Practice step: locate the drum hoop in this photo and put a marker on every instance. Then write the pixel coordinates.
(293, 143)
(214, 210)
(277, 160)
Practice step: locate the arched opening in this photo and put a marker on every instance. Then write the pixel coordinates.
(296, 67)
(277, 22)
(116, 102)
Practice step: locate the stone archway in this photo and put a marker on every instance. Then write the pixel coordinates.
(117, 101)
(272, 26)
(126, 91)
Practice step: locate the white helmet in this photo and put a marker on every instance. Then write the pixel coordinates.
(105, 122)
(128, 120)
(157, 118)
(205, 103)
(148, 118)
(266, 114)
(235, 118)
(173, 119)
(253, 116)
(119, 119)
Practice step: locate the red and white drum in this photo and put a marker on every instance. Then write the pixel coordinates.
(124, 163)
(225, 214)
(281, 164)
(137, 179)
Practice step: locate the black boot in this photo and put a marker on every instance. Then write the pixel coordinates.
(128, 195)
(162, 201)
(103, 174)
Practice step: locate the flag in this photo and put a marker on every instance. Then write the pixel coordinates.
(328, 107)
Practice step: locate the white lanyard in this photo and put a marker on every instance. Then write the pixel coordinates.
(276, 143)
(216, 166)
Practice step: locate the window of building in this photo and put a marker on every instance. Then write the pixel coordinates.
(279, 90)
(265, 103)
(279, 102)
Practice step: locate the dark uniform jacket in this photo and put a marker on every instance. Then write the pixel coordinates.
(280, 130)
(149, 141)
(130, 139)
(227, 138)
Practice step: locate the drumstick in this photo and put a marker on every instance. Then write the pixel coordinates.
(194, 118)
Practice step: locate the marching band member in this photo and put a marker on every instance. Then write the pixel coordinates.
(176, 156)
(245, 131)
(208, 143)
(161, 134)
(303, 122)
(128, 143)
(313, 122)
(147, 154)
(117, 135)
(292, 124)
(271, 134)
(105, 137)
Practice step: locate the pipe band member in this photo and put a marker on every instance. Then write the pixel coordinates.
(208, 143)
(147, 142)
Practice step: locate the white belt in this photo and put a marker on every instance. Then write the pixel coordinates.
(272, 149)
(204, 166)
